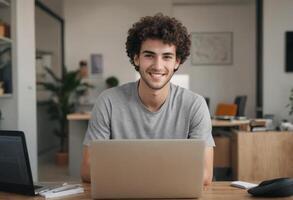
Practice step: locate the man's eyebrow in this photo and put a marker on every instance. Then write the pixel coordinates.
(150, 52)
(168, 54)
(165, 54)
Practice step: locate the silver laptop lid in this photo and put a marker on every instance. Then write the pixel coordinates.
(167, 168)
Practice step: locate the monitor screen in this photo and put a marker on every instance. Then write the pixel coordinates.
(13, 166)
(289, 51)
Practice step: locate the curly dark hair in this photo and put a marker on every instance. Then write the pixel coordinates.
(161, 27)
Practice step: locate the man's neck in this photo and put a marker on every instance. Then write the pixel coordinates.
(152, 99)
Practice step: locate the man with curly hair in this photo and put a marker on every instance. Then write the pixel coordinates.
(152, 107)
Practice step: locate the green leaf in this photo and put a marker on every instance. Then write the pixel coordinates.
(52, 74)
(49, 86)
(60, 105)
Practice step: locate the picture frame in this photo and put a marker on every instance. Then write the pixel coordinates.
(96, 64)
(212, 48)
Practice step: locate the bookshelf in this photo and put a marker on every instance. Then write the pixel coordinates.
(5, 50)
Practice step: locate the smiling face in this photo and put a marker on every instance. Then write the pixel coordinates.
(156, 62)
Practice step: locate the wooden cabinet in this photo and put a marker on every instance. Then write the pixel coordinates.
(222, 152)
(262, 155)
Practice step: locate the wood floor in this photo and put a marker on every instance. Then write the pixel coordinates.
(50, 172)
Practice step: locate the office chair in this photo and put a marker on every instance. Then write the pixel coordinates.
(240, 101)
(228, 112)
(226, 109)
(207, 101)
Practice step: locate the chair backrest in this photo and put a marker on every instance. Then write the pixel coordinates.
(207, 101)
(240, 101)
(226, 109)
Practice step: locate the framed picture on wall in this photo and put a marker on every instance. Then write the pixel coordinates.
(96, 64)
(212, 48)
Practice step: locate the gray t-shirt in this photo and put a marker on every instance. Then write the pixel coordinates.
(119, 114)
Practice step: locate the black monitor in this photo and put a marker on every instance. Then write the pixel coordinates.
(240, 101)
(289, 51)
(15, 171)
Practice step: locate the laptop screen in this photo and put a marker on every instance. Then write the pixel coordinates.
(15, 171)
(13, 168)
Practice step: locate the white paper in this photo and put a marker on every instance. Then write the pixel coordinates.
(53, 194)
(243, 185)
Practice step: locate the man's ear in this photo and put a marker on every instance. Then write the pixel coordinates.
(177, 63)
(136, 60)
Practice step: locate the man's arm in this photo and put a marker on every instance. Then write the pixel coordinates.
(98, 129)
(208, 166)
(85, 166)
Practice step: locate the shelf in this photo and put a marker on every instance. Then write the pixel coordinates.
(5, 40)
(5, 96)
(4, 3)
(6, 49)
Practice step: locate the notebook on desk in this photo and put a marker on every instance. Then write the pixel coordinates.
(147, 168)
(15, 170)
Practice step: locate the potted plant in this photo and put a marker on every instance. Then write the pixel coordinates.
(112, 81)
(63, 92)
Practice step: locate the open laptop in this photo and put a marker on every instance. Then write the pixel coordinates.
(15, 170)
(164, 168)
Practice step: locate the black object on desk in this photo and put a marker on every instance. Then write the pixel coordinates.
(15, 170)
(280, 187)
(240, 101)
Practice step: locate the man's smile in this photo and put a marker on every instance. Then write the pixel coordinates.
(157, 75)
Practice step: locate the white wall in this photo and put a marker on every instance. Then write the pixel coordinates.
(278, 17)
(100, 26)
(25, 76)
(223, 83)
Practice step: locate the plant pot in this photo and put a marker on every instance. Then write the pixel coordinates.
(4, 30)
(61, 158)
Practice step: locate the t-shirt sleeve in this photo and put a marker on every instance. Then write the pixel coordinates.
(201, 125)
(99, 124)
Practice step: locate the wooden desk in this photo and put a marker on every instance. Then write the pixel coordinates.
(78, 123)
(241, 124)
(262, 155)
(218, 190)
(222, 152)
(79, 116)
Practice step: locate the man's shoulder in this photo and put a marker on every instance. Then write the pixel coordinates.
(118, 92)
(186, 95)
(188, 101)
